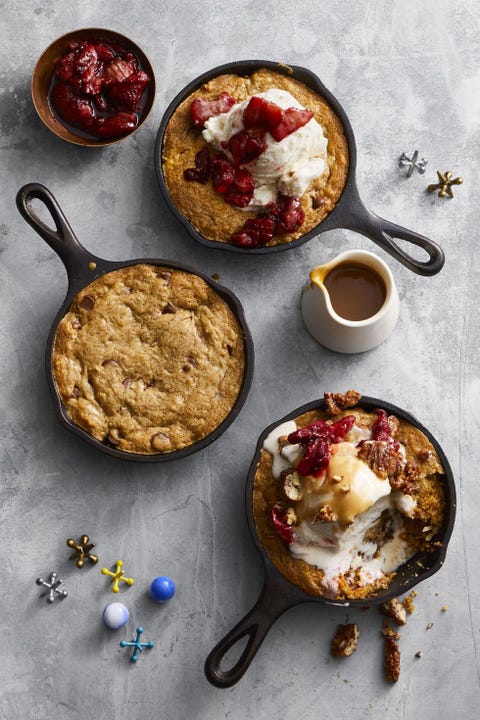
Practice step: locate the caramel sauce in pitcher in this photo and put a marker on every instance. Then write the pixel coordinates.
(356, 291)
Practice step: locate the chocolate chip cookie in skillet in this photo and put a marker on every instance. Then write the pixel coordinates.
(147, 359)
(256, 157)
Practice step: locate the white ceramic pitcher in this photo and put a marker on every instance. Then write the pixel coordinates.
(336, 332)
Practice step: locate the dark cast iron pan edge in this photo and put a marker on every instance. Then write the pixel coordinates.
(349, 213)
(76, 260)
(278, 594)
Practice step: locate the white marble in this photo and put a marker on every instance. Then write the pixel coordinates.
(407, 74)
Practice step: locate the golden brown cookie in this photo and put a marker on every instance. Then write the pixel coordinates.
(149, 359)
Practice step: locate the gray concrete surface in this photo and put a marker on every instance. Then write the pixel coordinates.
(407, 74)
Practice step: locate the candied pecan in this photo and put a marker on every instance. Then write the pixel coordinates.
(336, 402)
(379, 456)
(345, 641)
(405, 478)
(395, 610)
(291, 484)
(325, 514)
(388, 631)
(392, 660)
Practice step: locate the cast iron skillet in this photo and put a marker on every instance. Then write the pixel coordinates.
(349, 213)
(279, 594)
(82, 268)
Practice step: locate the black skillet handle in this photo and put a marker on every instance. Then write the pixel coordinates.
(63, 240)
(383, 233)
(255, 625)
(351, 214)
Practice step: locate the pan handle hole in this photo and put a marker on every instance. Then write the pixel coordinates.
(234, 653)
(42, 213)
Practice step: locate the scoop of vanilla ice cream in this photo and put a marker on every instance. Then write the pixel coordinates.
(358, 497)
(287, 166)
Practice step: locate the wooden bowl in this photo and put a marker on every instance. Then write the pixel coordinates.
(42, 77)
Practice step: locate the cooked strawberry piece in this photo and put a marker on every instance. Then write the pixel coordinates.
(117, 71)
(241, 190)
(260, 228)
(320, 429)
(316, 439)
(201, 172)
(262, 114)
(100, 103)
(284, 531)
(223, 174)
(291, 215)
(105, 54)
(116, 125)
(71, 108)
(246, 146)
(315, 458)
(381, 431)
(244, 182)
(243, 239)
(293, 119)
(202, 110)
(66, 66)
(256, 231)
(126, 95)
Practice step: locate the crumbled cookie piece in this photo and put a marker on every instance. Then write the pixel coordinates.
(394, 609)
(444, 608)
(345, 641)
(408, 603)
(392, 660)
(429, 626)
(380, 457)
(336, 402)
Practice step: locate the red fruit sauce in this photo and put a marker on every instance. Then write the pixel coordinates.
(99, 89)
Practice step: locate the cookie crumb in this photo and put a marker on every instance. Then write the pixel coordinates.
(429, 626)
(418, 654)
(444, 608)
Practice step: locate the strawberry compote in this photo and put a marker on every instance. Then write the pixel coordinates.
(251, 148)
(99, 89)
